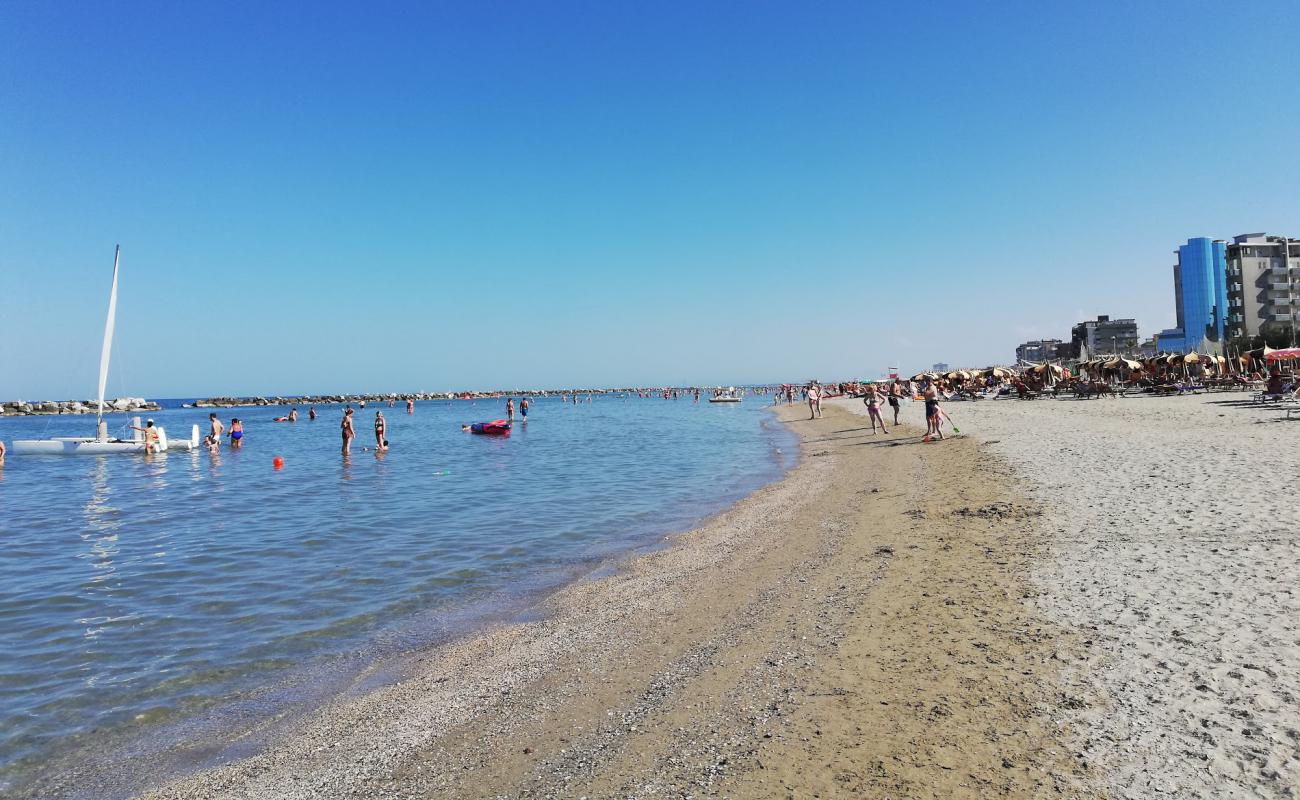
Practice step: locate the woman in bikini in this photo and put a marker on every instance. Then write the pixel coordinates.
(381, 427)
(873, 400)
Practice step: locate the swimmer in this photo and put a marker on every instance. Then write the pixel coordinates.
(311, 413)
(293, 415)
(410, 405)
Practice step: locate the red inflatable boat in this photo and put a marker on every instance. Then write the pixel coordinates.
(497, 427)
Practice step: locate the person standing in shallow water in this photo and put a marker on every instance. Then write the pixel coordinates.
(510, 409)
(349, 433)
(381, 429)
(523, 408)
(311, 413)
(236, 434)
(410, 405)
(215, 428)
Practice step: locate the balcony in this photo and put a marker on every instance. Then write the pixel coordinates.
(1283, 317)
(1284, 286)
(1279, 269)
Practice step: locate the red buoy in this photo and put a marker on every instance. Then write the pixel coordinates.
(277, 462)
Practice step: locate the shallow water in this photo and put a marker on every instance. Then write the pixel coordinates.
(135, 590)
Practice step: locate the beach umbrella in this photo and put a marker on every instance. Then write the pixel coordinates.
(1192, 358)
(1285, 354)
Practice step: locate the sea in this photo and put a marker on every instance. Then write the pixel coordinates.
(154, 609)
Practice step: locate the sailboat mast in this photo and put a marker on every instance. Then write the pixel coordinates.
(108, 341)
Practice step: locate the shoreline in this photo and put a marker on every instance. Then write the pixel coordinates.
(825, 616)
(123, 759)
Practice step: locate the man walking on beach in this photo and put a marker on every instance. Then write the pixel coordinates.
(349, 433)
(895, 397)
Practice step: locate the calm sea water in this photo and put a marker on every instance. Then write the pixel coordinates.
(136, 591)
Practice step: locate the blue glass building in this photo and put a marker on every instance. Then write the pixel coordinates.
(1201, 296)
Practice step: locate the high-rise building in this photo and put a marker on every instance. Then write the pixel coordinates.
(1263, 279)
(1200, 298)
(1103, 335)
(940, 367)
(1038, 350)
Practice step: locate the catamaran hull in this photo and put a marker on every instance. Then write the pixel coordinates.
(73, 447)
(79, 446)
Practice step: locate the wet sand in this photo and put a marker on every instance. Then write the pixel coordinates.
(858, 629)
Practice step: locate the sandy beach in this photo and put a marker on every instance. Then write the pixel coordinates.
(1075, 599)
(857, 629)
(1171, 549)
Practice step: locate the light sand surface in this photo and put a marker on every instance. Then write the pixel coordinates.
(1173, 527)
(858, 629)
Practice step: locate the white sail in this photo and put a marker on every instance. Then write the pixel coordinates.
(101, 444)
(108, 333)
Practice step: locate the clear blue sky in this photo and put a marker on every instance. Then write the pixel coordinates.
(388, 196)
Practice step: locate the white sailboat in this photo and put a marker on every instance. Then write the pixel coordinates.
(101, 443)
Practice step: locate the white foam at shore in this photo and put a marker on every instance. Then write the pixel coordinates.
(1175, 528)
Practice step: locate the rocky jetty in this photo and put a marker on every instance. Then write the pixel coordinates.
(339, 399)
(120, 405)
(316, 400)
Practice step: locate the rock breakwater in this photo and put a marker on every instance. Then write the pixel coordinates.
(120, 405)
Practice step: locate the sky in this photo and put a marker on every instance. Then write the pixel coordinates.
(338, 197)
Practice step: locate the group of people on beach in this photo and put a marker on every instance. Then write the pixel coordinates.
(874, 397)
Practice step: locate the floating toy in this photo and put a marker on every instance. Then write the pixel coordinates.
(497, 427)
